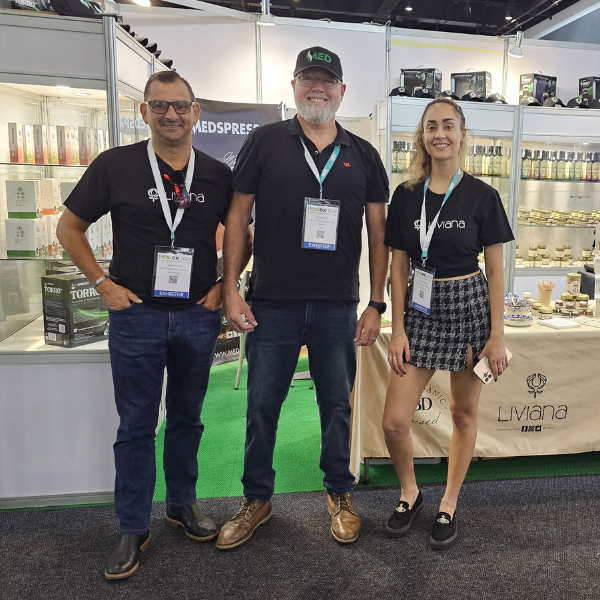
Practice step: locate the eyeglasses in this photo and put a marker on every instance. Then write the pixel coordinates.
(160, 107)
(182, 196)
(327, 82)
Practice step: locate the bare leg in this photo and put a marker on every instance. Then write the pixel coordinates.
(403, 395)
(465, 391)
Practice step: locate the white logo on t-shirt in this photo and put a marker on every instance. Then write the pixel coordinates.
(443, 224)
(153, 194)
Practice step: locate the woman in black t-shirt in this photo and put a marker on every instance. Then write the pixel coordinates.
(465, 322)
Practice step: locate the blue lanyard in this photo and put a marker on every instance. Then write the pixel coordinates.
(425, 234)
(326, 168)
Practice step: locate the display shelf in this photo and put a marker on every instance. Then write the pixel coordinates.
(30, 165)
(540, 271)
(593, 226)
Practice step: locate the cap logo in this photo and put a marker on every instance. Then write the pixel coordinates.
(319, 56)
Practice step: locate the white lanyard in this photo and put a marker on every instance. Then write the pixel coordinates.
(425, 234)
(162, 194)
(326, 168)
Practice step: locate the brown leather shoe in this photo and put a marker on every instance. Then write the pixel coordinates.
(240, 528)
(345, 522)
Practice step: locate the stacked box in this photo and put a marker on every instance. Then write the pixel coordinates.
(74, 312)
(28, 145)
(479, 82)
(589, 88)
(15, 143)
(50, 192)
(23, 199)
(24, 238)
(415, 80)
(538, 86)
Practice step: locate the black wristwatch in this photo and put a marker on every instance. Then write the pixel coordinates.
(378, 306)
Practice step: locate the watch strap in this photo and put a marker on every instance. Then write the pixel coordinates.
(378, 306)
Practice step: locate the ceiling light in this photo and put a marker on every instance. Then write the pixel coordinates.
(508, 16)
(408, 6)
(80, 94)
(515, 51)
(144, 3)
(63, 87)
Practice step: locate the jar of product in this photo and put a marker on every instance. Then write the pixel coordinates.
(535, 307)
(558, 304)
(526, 295)
(541, 247)
(589, 312)
(545, 313)
(533, 251)
(567, 250)
(567, 296)
(573, 283)
(568, 258)
(555, 261)
(569, 305)
(581, 261)
(582, 301)
(519, 259)
(538, 261)
(546, 260)
(560, 252)
(529, 261)
(565, 262)
(587, 252)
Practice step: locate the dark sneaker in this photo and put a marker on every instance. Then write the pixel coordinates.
(402, 518)
(443, 533)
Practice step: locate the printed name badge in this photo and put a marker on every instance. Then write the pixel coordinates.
(172, 272)
(422, 288)
(320, 228)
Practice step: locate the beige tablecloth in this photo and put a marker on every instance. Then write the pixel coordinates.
(547, 402)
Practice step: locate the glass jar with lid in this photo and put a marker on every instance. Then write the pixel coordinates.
(545, 313)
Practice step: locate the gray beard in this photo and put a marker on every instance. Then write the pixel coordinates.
(316, 114)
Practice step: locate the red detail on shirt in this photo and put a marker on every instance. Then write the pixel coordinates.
(346, 164)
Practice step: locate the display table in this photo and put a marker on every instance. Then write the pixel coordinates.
(545, 403)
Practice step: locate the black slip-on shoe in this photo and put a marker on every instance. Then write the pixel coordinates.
(197, 526)
(125, 558)
(443, 532)
(402, 518)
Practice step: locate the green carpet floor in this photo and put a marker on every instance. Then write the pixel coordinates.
(296, 461)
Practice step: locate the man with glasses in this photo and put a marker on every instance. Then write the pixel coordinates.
(311, 182)
(166, 200)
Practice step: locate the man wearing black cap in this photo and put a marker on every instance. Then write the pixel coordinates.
(311, 182)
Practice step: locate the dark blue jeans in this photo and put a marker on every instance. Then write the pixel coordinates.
(142, 342)
(327, 328)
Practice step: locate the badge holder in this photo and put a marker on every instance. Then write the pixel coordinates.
(320, 224)
(172, 272)
(423, 277)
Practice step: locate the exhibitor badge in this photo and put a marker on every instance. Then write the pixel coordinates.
(172, 272)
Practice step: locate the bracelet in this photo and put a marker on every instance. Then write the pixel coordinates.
(99, 281)
(395, 336)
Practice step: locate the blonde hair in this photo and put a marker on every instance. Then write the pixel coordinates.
(420, 163)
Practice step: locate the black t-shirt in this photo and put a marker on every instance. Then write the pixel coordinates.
(472, 218)
(272, 165)
(120, 180)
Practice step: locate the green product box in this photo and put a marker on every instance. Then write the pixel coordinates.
(415, 80)
(74, 312)
(479, 82)
(589, 87)
(538, 86)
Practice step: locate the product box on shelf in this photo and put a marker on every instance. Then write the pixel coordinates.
(479, 82)
(28, 146)
(85, 141)
(589, 87)
(63, 145)
(15, 143)
(23, 198)
(415, 80)
(52, 145)
(50, 193)
(54, 250)
(538, 86)
(74, 312)
(40, 144)
(74, 141)
(24, 238)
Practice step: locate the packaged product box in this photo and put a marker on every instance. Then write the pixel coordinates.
(66, 187)
(52, 241)
(415, 80)
(589, 87)
(28, 146)
(15, 143)
(479, 82)
(40, 144)
(63, 148)
(23, 199)
(45, 236)
(84, 146)
(24, 238)
(52, 145)
(74, 140)
(74, 312)
(50, 192)
(537, 85)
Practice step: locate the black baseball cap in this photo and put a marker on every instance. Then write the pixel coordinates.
(496, 99)
(321, 58)
(471, 97)
(577, 102)
(400, 91)
(553, 101)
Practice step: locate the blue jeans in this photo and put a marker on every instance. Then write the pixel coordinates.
(327, 328)
(142, 342)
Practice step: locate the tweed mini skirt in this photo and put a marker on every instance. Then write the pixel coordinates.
(460, 317)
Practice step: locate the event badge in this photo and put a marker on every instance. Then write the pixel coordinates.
(172, 272)
(422, 282)
(320, 228)
(321, 217)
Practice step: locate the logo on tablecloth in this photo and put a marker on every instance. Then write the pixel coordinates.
(536, 383)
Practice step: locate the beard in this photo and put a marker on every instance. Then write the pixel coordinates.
(314, 113)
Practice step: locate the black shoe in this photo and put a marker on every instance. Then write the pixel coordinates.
(402, 518)
(197, 527)
(444, 532)
(125, 558)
